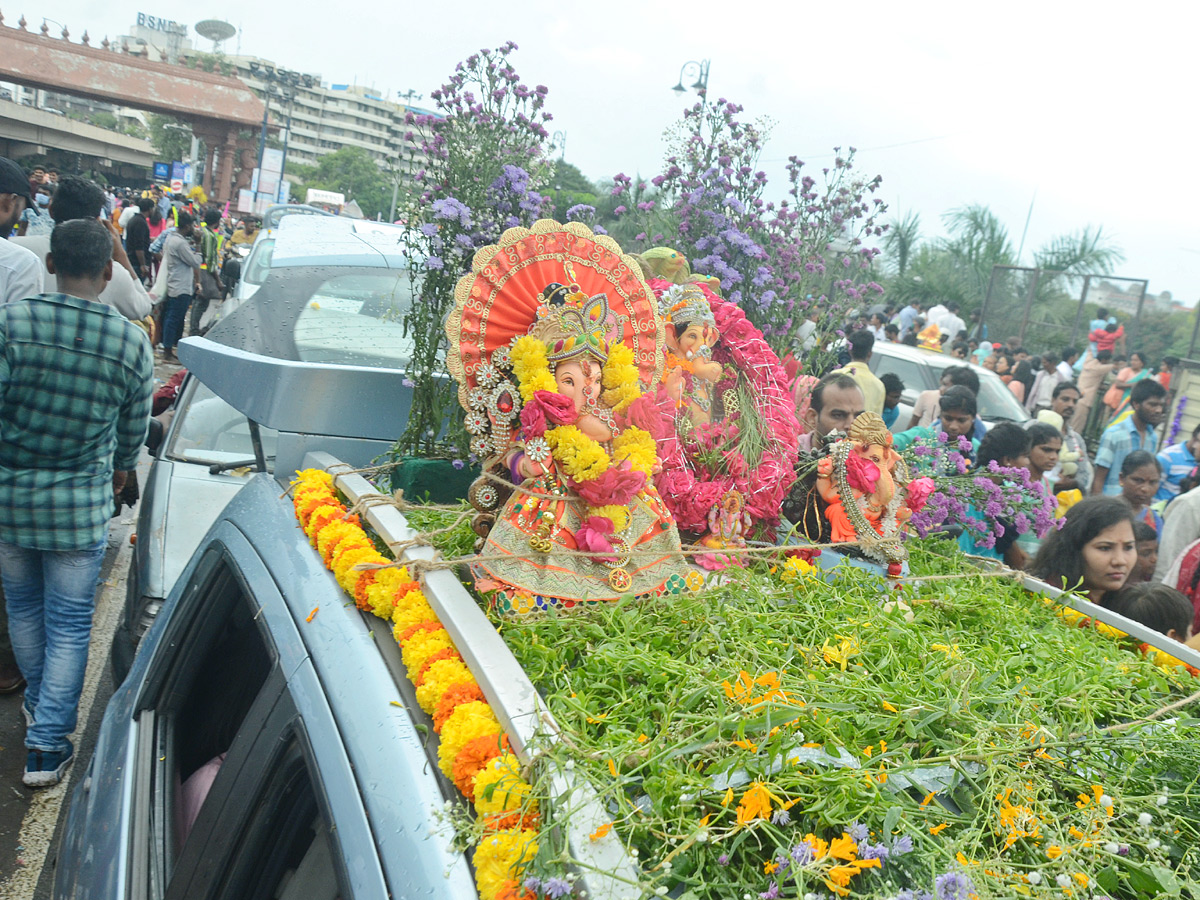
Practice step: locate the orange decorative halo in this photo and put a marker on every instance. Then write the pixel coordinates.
(498, 299)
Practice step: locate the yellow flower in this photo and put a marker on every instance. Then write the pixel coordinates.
(601, 831)
(1054, 851)
(843, 847)
(618, 515)
(840, 655)
(755, 804)
(531, 367)
(411, 609)
(580, 457)
(467, 722)
(499, 787)
(638, 447)
(501, 857)
(438, 677)
(728, 797)
(419, 647)
(938, 829)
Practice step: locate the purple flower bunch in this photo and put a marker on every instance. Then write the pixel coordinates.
(477, 165)
(1177, 422)
(981, 501)
(775, 260)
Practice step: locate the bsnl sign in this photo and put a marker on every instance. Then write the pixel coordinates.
(157, 23)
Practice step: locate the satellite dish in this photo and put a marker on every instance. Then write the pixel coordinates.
(215, 30)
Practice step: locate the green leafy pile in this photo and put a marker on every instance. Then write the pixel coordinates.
(787, 735)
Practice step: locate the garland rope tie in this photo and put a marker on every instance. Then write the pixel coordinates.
(420, 566)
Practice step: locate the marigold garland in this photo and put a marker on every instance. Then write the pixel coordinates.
(470, 735)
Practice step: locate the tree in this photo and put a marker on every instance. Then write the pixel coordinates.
(172, 139)
(105, 120)
(351, 171)
(570, 187)
(901, 240)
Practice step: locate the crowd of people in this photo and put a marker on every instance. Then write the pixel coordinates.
(1129, 499)
(90, 282)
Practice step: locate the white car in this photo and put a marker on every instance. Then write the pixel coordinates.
(921, 370)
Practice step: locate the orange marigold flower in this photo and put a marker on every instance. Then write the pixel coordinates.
(601, 831)
(510, 890)
(938, 829)
(755, 804)
(455, 695)
(843, 847)
(474, 755)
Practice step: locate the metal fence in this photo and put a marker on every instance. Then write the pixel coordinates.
(1046, 308)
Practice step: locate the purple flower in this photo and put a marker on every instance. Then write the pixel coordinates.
(555, 888)
(802, 854)
(953, 886)
(434, 262)
(723, 859)
(771, 893)
(902, 845)
(408, 383)
(458, 464)
(874, 851)
(532, 883)
(858, 832)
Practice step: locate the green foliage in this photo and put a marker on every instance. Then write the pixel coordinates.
(105, 120)
(975, 723)
(351, 171)
(901, 240)
(171, 143)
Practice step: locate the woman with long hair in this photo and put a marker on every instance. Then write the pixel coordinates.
(1094, 552)
(1022, 380)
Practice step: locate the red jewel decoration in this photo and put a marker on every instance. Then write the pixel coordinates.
(504, 403)
(894, 570)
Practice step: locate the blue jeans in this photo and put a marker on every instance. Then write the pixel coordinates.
(50, 596)
(174, 315)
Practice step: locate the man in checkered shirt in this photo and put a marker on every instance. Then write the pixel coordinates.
(75, 389)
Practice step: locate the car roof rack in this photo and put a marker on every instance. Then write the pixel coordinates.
(607, 870)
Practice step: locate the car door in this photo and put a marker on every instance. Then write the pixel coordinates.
(237, 757)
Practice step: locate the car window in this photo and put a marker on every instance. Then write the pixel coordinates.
(916, 376)
(259, 263)
(357, 319)
(202, 701)
(208, 430)
(285, 852)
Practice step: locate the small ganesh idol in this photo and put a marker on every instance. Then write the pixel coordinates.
(691, 374)
(550, 336)
(865, 484)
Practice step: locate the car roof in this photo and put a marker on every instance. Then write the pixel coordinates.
(338, 241)
(274, 214)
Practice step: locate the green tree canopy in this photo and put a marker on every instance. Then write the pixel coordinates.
(351, 171)
(172, 139)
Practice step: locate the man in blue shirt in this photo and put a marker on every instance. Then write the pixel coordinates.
(1135, 432)
(1177, 462)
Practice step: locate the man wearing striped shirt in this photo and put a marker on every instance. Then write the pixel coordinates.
(1177, 462)
(75, 390)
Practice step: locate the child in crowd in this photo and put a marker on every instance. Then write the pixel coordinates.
(1140, 475)
(1147, 551)
(1156, 606)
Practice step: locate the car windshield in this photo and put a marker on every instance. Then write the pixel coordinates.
(259, 263)
(339, 315)
(996, 401)
(208, 430)
(272, 217)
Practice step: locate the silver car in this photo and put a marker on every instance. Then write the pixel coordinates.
(335, 294)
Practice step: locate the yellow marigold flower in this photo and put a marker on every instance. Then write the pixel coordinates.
(347, 558)
(843, 847)
(501, 857)
(422, 645)
(755, 804)
(333, 534)
(1054, 851)
(838, 879)
(499, 788)
(414, 610)
(467, 722)
(638, 447)
(305, 476)
(727, 798)
(770, 867)
(938, 829)
(580, 457)
(321, 517)
(438, 677)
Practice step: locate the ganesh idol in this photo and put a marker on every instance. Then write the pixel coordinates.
(553, 338)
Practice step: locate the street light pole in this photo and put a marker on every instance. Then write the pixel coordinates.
(558, 140)
(700, 67)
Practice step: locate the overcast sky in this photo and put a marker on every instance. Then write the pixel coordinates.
(1089, 106)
